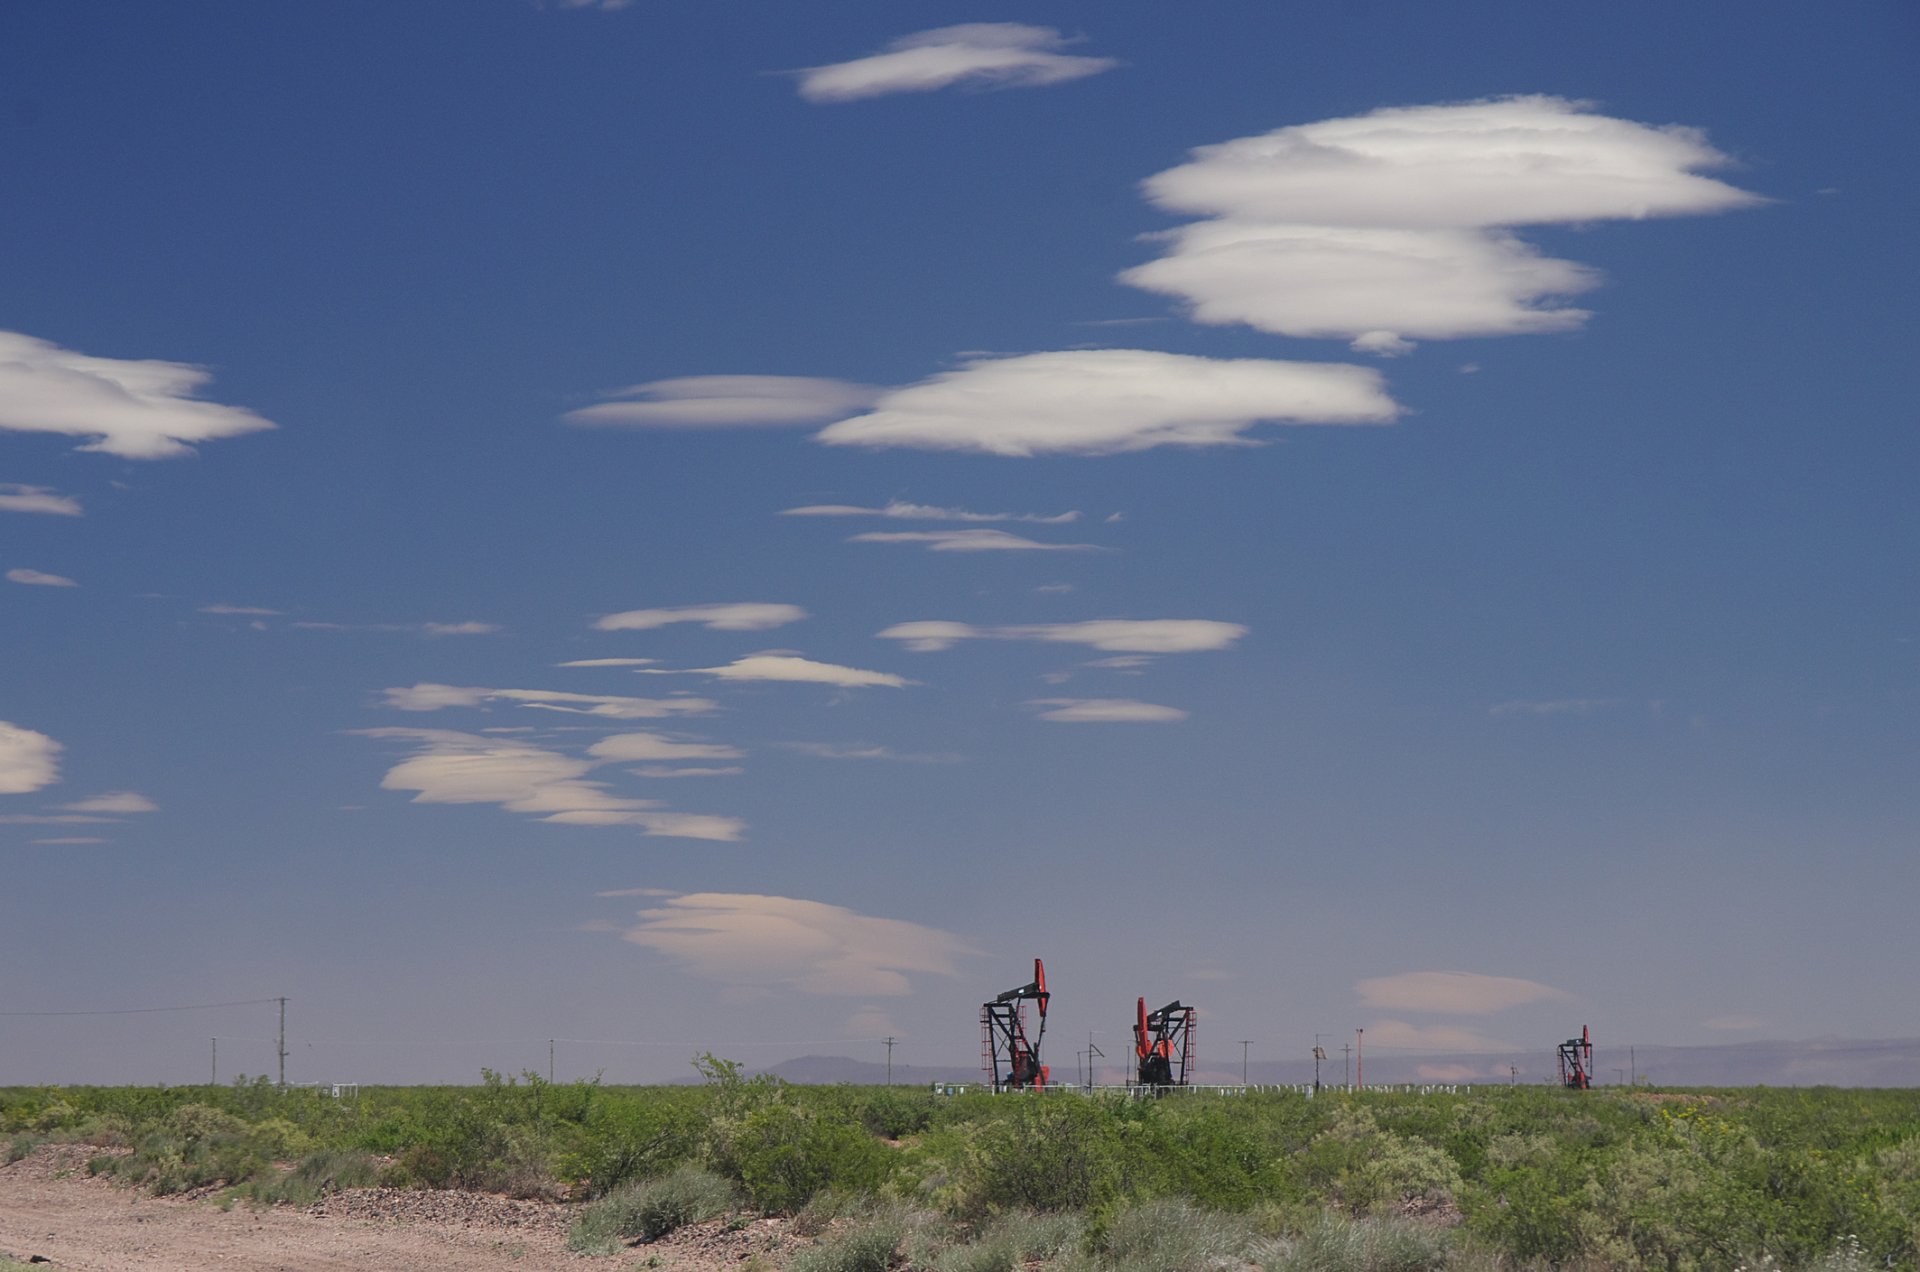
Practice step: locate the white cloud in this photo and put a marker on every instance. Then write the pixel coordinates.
(136, 409)
(1552, 706)
(1109, 401)
(71, 840)
(28, 760)
(223, 608)
(772, 942)
(745, 616)
(637, 892)
(901, 511)
(727, 401)
(969, 541)
(39, 578)
(1393, 224)
(15, 497)
(609, 662)
(1105, 711)
(1114, 635)
(433, 697)
(1400, 1035)
(46, 819)
(658, 770)
(631, 747)
(459, 629)
(977, 54)
(466, 768)
(114, 802)
(1456, 993)
(791, 667)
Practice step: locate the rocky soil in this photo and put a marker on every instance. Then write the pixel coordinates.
(50, 1208)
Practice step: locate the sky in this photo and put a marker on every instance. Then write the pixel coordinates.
(735, 526)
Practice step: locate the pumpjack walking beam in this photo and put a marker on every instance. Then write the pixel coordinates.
(1011, 1059)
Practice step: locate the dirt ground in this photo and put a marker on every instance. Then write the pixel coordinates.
(50, 1208)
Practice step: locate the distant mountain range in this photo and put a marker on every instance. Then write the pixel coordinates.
(1847, 1062)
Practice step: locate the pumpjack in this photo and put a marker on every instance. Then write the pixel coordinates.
(1011, 1059)
(1576, 1062)
(1163, 1043)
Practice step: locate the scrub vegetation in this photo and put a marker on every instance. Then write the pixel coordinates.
(894, 1178)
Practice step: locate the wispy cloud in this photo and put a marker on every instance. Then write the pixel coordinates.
(29, 761)
(114, 802)
(258, 611)
(1110, 401)
(609, 662)
(864, 751)
(1453, 993)
(1393, 226)
(1115, 635)
(15, 497)
(901, 511)
(39, 578)
(790, 667)
(449, 767)
(975, 54)
(969, 541)
(70, 840)
(773, 942)
(135, 409)
(1552, 706)
(435, 697)
(662, 770)
(726, 401)
(633, 747)
(744, 616)
(468, 628)
(1105, 711)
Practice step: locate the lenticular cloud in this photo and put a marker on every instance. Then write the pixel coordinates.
(1107, 401)
(1393, 224)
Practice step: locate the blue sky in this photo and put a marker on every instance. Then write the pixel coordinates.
(1347, 515)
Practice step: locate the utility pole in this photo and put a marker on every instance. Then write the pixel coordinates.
(1319, 1054)
(1346, 1051)
(1360, 1055)
(214, 1080)
(1633, 1068)
(1092, 1051)
(1244, 1044)
(549, 1062)
(889, 1060)
(1513, 1074)
(283, 1044)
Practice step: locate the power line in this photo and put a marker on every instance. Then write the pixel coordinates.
(142, 1011)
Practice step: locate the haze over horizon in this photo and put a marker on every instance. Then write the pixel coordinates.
(682, 527)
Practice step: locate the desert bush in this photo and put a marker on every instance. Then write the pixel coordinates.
(316, 1175)
(868, 1247)
(1045, 1155)
(1369, 1170)
(1175, 1236)
(1335, 1244)
(650, 1210)
(784, 1156)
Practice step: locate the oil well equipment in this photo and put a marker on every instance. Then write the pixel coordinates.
(1576, 1062)
(1163, 1043)
(1011, 1059)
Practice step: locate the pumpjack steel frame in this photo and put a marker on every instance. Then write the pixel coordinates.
(1163, 1043)
(1011, 1059)
(1576, 1062)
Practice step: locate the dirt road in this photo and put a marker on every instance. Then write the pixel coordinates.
(50, 1207)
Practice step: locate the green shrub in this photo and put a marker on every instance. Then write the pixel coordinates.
(1049, 1154)
(785, 1156)
(650, 1210)
(316, 1175)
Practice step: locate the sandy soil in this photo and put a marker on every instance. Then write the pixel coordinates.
(51, 1208)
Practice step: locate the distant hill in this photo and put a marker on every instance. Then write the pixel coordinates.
(1888, 1062)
